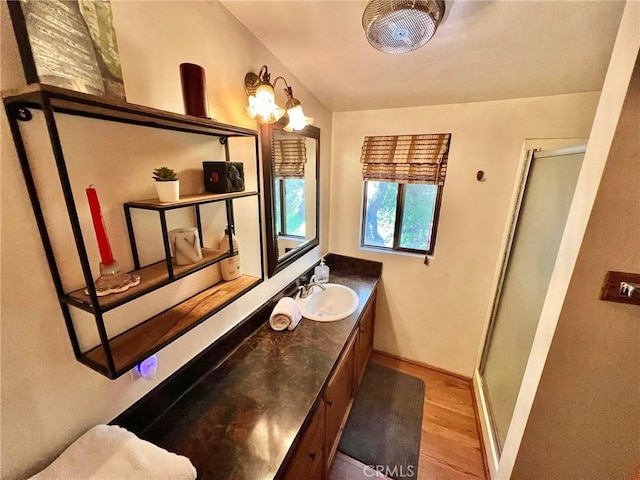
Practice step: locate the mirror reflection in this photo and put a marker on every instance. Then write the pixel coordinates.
(291, 176)
(294, 190)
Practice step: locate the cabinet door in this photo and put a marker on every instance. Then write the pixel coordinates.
(337, 398)
(308, 459)
(365, 341)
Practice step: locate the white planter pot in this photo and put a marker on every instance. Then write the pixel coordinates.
(168, 191)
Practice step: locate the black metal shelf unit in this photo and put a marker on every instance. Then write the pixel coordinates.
(193, 201)
(128, 347)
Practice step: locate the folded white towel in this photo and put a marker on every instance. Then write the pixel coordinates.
(109, 452)
(286, 314)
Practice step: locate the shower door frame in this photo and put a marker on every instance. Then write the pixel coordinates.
(495, 299)
(579, 146)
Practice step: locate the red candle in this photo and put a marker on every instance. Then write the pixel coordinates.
(98, 225)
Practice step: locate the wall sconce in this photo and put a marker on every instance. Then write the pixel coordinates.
(262, 101)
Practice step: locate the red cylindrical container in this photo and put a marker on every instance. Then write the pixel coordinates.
(194, 90)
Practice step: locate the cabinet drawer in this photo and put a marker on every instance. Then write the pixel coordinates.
(337, 398)
(308, 460)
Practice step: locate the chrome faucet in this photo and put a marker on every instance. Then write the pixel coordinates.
(305, 290)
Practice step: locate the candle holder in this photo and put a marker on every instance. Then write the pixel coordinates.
(194, 90)
(111, 280)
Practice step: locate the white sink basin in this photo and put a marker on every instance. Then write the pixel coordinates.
(334, 303)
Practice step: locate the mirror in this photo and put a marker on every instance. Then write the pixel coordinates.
(291, 171)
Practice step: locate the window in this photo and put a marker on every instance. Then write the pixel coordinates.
(289, 159)
(290, 207)
(403, 181)
(400, 216)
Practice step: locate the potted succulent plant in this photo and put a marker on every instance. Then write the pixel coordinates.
(167, 184)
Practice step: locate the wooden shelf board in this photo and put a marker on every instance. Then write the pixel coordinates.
(187, 200)
(151, 278)
(77, 103)
(143, 340)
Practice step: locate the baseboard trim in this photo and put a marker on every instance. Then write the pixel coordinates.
(483, 420)
(424, 365)
(483, 447)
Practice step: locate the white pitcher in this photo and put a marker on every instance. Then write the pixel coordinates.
(185, 244)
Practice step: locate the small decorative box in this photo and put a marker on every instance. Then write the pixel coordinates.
(223, 177)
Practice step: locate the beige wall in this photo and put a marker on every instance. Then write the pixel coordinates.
(48, 398)
(585, 421)
(435, 314)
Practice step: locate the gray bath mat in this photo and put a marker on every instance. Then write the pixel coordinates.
(385, 423)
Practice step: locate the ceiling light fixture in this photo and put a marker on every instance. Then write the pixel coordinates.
(262, 101)
(401, 26)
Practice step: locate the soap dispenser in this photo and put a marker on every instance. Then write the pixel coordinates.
(321, 272)
(230, 267)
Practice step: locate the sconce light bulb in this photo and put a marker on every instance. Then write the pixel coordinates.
(265, 93)
(297, 119)
(262, 105)
(251, 109)
(262, 101)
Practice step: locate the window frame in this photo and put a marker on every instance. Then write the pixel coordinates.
(398, 221)
(283, 216)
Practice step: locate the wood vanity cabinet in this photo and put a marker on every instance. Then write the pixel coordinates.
(314, 454)
(337, 399)
(308, 459)
(364, 343)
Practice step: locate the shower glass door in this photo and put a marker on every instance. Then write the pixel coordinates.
(546, 194)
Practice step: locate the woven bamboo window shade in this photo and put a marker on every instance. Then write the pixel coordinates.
(406, 158)
(289, 157)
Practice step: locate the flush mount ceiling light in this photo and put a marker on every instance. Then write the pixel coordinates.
(262, 101)
(401, 26)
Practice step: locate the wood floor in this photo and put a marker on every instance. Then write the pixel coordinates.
(450, 444)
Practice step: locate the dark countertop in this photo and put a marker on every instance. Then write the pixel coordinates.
(242, 419)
